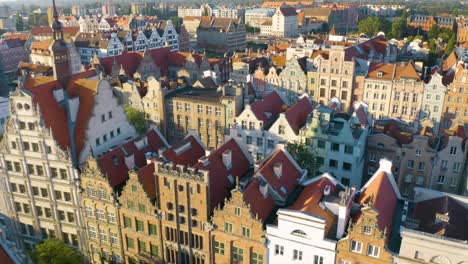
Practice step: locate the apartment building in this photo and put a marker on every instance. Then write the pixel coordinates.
(456, 99)
(256, 118)
(426, 22)
(309, 228)
(447, 174)
(431, 232)
(433, 99)
(255, 17)
(394, 91)
(220, 35)
(407, 94)
(333, 78)
(102, 179)
(284, 22)
(338, 141)
(189, 176)
(293, 79)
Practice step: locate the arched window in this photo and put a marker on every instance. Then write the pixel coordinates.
(299, 232)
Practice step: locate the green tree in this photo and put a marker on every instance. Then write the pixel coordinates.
(303, 157)
(19, 22)
(177, 21)
(399, 28)
(53, 251)
(450, 45)
(433, 33)
(373, 25)
(137, 118)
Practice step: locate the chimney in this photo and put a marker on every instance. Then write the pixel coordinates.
(344, 209)
(227, 158)
(385, 165)
(278, 169)
(148, 156)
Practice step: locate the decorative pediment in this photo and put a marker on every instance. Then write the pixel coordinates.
(92, 170)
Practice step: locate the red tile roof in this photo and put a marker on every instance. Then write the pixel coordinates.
(407, 71)
(297, 114)
(53, 114)
(291, 172)
(47, 31)
(4, 257)
(191, 149)
(259, 206)
(113, 163)
(449, 62)
(309, 199)
(384, 196)
(393, 130)
(386, 70)
(129, 61)
(268, 108)
(456, 226)
(219, 183)
(148, 180)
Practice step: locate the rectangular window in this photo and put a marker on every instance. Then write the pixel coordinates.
(279, 250)
(246, 232)
(318, 259)
(127, 222)
(114, 239)
(92, 232)
(373, 251)
(410, 164)
(281, 130)
(141, 208)
(237, 254)
(141, 246)
(152, 229)
(356, 246)
(130, 243)
(256, 258)
(103, 235)
(237, 211)
(297, 254)
(335, 147)
(227, 227)
(154, 250)
(218, 247)
(140, 227)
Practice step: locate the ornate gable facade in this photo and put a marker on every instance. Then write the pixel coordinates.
(100, 212)
(365, 241)
(238, 235)
(141, 229)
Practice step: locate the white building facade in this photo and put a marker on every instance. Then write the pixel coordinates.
(433, 100)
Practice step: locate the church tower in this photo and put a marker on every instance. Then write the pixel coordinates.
(60, 52)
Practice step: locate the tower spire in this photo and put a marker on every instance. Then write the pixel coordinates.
(56, 25)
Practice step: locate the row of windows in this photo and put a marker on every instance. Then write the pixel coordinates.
(259, 141)
(333, 93)
(100, 214)
(140, 226)
(208, 109)
(237, 253)
(100, 193)
(183, 238)
(37, 170)
(142, 246)
(112, 134)
(372, 251)
(245, 231)
(103, 237)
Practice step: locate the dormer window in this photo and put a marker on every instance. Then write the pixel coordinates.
(278, 169)
(367, 230)
(380, 74)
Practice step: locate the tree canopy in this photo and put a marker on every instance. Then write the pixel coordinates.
(137, 119)
(53, 251)
(303, 157)
(373, 25)
(19, 22)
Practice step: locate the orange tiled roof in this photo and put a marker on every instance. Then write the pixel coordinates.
(449, 62)
(384, 71)
(278, 61)
(41, 45)
(309, 199)
(407, 71)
